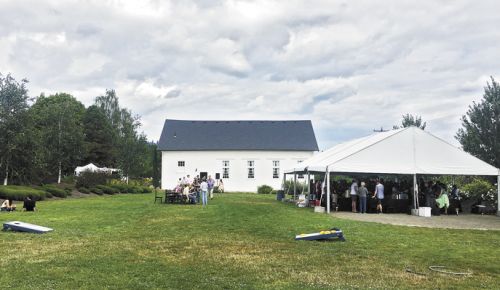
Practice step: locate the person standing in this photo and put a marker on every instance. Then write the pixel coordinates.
(211, 184)
(221, 186)
(379, 194)
(354, 194)
(204, 190)
(363, 192)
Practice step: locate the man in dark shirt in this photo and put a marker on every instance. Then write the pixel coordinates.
(29, 204)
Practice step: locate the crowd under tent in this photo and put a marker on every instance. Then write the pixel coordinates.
(406, 151)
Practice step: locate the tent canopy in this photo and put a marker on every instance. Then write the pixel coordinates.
(93, 168)
(404, 151)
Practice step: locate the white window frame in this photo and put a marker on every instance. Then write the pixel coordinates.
(251, 169)
(276, 169)
(225, 169)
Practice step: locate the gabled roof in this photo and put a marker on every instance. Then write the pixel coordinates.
(404, 151)
(185, 135)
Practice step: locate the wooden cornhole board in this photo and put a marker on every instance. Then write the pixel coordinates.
(322, 235)
(25, 227)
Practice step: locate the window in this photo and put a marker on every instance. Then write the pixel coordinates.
(276, 169)
(181, 163)
(225, 169)
(300, 175)
(251, 168)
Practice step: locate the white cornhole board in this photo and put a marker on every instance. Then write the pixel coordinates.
(25, 227)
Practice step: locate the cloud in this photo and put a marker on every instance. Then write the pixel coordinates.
(350, 66)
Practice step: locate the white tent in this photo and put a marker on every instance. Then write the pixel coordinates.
(89, 167)
(92, 168)
(404, 151)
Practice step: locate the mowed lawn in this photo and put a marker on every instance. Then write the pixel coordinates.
(241, 241)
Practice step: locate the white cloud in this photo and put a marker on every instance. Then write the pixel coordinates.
(350, 66)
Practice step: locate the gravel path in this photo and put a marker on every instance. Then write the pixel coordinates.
(470, 221)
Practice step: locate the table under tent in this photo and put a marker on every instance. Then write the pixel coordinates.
(407, 153)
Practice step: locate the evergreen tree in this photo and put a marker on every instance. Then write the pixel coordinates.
(480, 132)
(99, 136)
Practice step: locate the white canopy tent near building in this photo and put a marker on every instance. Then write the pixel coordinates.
(408, 151)
(93, 168)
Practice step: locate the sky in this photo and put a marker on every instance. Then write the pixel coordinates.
(348, 66)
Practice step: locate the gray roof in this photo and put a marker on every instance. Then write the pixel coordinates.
(185, 135)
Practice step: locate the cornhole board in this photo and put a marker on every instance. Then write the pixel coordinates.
(25, 227)
(322, 235)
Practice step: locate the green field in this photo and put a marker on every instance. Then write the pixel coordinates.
(240, 241)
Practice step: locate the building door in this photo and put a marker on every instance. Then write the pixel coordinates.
(203, 175)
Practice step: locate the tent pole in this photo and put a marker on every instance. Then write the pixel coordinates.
(498, 195)
(294, 185)
(415, 194)
(327, 190)
(308, 184)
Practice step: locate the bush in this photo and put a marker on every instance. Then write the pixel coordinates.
(96, 190)
(107, 189)
(21, 192)
(264, 189)
(120, 187)
(55, 191)
(479, 189)
(91, 179)
(84, 190)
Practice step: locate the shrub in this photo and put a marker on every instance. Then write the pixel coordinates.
(123, 188)
(21, 192)
(84, 190)
(107, 189)
(264, 189)
(479, 189)
(91, 179)
(96, 191)
(55, 191)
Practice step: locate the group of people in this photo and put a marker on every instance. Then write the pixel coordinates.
(198, 188)
(431, 194)
(361, 193)
(434, 195)
(29, 204)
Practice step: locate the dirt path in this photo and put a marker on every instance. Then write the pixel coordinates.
(470, 221)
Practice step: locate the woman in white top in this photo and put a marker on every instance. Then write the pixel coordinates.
(354, 195)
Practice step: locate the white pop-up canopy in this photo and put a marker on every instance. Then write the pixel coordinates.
(93, 168)
(404, 151)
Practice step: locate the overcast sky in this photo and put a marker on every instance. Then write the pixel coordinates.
(349, 66)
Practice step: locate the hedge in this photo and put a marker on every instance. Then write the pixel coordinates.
(107, 189)
(55, 191)
(96, 190)
(21, 192)
(264, 189)
(84, 190)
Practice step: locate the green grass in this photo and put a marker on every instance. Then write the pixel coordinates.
(243, 241)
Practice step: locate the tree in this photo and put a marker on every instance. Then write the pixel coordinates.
(13, 119)
(59, 121)
(480, 132)
(99, 138)
(410, 120)
(156, 165)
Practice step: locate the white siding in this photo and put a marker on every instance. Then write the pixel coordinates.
(211, 162)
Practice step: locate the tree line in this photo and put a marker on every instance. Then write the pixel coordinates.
(45, 138)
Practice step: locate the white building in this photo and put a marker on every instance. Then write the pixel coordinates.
(244, 154)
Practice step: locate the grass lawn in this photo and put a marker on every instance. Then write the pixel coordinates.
(239, 241)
